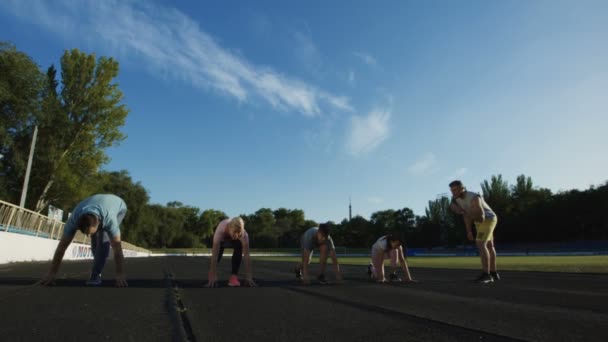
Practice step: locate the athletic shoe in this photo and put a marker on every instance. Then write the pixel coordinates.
(298, 272)
(370, 271)
(234, 281)
(394, 278)
(495, 276)
(484, 278)
(322, 279)
(95, 280)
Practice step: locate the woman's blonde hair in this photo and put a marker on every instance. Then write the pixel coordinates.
(237, 224)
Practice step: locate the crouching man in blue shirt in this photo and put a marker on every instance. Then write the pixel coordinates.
(98, 216)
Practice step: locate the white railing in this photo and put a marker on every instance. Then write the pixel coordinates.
(16, 219)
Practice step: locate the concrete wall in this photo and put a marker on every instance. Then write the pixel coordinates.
(19, 247)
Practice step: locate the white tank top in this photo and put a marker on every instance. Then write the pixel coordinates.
(467, 201)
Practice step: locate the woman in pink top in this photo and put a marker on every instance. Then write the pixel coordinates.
(231, 233)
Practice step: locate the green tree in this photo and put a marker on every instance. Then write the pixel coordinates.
(21, 84)
(439, 215)
(524, 195)
(135, 196)
(497, 194)
(208, 221)
(357, 232)
(83, 119)
(261, 221)
(382, 222)
(405, 225)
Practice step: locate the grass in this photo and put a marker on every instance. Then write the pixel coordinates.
(180, 250)
(577, 264)
(227, 250)
(260, 250)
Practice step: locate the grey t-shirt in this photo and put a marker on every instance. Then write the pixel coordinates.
(309, 240)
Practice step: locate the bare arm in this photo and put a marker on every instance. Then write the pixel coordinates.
(248, 269)
(305, 262)
(468, 223)
(63, 244)
(215, 251)
(404, 266)
(334, 261)
(476, 213)
(119, 259)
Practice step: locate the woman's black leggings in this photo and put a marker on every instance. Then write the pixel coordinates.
(237, 255)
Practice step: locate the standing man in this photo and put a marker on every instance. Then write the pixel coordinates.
(474, 209)
(98, 216)
(317, 237)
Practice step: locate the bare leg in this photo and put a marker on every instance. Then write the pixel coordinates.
(323, 257)
(492, 254)
(378, 263)
(393, 257)
(484, 254)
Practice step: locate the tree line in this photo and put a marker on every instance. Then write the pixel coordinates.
(80, 112)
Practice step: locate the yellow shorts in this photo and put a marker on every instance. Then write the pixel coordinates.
(485, 229)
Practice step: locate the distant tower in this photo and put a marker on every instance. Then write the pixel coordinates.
(350, 210)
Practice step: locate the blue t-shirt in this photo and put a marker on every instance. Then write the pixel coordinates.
(109, 209)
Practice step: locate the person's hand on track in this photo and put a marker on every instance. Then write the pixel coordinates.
(48, 280)
(212, 280)
(121, 281)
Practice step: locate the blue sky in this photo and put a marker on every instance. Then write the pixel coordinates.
(242, 105)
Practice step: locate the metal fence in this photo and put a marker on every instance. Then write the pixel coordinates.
(15, 219)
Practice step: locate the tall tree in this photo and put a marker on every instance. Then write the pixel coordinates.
(83, 119)
(208, 221)
(497, 194)
(440, 217)
(382, 222)
(405, 224)
(21, 84)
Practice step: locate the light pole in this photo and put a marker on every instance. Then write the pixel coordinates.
(29, 168)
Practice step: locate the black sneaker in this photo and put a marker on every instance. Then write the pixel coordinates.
(495, 276)
(394, 278)
(322, 279)
(484, 278)
(298, 272)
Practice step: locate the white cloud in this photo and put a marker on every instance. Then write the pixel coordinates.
(426, 164)
(366, 58)
(351, 78)
(172, 44)
(368, 132)
(339, 102)
(458, 173)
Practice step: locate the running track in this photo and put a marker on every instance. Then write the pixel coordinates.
(166, 301)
